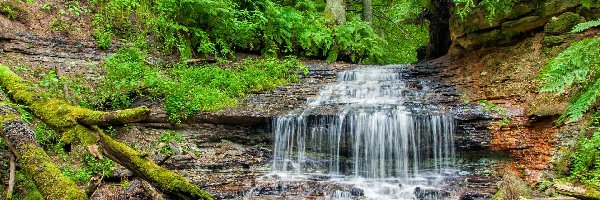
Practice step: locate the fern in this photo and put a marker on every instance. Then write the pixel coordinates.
(575, 68)
(586, 25)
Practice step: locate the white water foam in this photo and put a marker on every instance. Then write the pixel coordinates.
(372, 141)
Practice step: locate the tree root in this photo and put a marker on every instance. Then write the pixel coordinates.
(80, 123)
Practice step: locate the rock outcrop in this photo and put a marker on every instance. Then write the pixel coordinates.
(526, 16)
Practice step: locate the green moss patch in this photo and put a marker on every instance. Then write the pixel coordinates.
(563, 23)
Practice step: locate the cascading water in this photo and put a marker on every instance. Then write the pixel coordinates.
(369, 130)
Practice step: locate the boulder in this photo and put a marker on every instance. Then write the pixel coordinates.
(563, 23)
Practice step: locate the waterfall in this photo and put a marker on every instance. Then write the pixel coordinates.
(362, 127)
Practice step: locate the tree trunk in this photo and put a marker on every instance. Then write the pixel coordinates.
(80, 123)
(368, 12)
(439, 28)
(336, 11)
(33, 159)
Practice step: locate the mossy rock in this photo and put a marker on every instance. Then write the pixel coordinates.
(512, 187)
(552, 40)
(554, 7)
(590, 14)
(563, 23)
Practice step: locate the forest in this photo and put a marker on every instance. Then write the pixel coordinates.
(307, 99)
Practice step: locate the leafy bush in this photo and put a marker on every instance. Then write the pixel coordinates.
(166, 138)
(576, 69)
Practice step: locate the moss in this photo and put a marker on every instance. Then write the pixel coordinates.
(83, 134)
(117, 117)
(16, 86)
(129, 114)
(551, 40)
(164, 180)
(9, 117)
(563, 23)
(553, 7)
(46, 175)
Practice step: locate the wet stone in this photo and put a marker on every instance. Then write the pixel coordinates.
(357, 192)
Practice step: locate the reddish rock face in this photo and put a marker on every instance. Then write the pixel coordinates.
(508, 78)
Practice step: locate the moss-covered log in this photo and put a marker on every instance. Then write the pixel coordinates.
(80, 123)
(171, 184)
(62, 116)
(33, 159)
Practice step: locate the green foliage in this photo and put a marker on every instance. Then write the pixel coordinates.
(9, 9)
(563, 23)
(188, 90)
(586, 160)
(25, 115)
(400, 26)
(166, 138)
(2, 144)
(493, 8)
(489, 106)
(45, 136)
(90, 167)
(103, 37)
(25, 188)
(575, 71)
(585, 26)
(208, 88)
(72, 89)
(357, 40)
(126, 77)
(196, 28)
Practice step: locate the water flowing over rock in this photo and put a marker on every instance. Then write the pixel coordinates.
(371, 128)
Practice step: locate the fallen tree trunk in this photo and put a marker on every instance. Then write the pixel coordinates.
(33, 159)
(168, 182)
(62, 116)
(79, 123)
